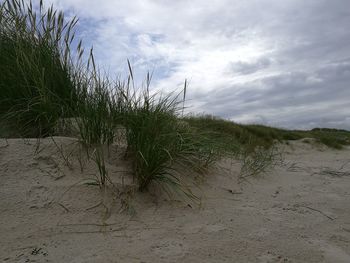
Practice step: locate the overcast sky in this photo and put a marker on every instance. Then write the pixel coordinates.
(283, 63)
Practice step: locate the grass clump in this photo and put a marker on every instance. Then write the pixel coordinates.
(96, 113)
(333, 138)
(36, 82)
(161, 144)
(255, 149)
(258, 161)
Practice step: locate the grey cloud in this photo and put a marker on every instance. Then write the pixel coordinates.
(245, 68)
(291, 100)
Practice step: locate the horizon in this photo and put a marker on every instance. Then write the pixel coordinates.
(283, 64)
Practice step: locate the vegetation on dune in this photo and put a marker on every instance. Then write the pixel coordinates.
(259, 135)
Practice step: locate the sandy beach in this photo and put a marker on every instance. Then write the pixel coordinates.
(297, 212)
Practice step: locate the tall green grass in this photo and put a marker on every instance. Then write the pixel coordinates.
(97, 113)
(160, 144)
(36, 83)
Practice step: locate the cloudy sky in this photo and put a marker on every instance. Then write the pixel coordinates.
(283, 63)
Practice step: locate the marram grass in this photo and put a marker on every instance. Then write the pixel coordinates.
(36, 83)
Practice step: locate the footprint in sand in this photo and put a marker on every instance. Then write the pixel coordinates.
(38, 197)
(170, 248)
(49, 166)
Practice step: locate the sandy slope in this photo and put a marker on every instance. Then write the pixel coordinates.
(300, 212)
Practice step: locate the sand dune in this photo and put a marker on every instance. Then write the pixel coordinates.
(298, 212)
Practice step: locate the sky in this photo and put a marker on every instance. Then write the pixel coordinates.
(273, 62)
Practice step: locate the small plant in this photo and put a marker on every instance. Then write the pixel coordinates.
(65, 156)
(98, 157)
(258, 161)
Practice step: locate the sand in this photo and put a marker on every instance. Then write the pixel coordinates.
(298, 212)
